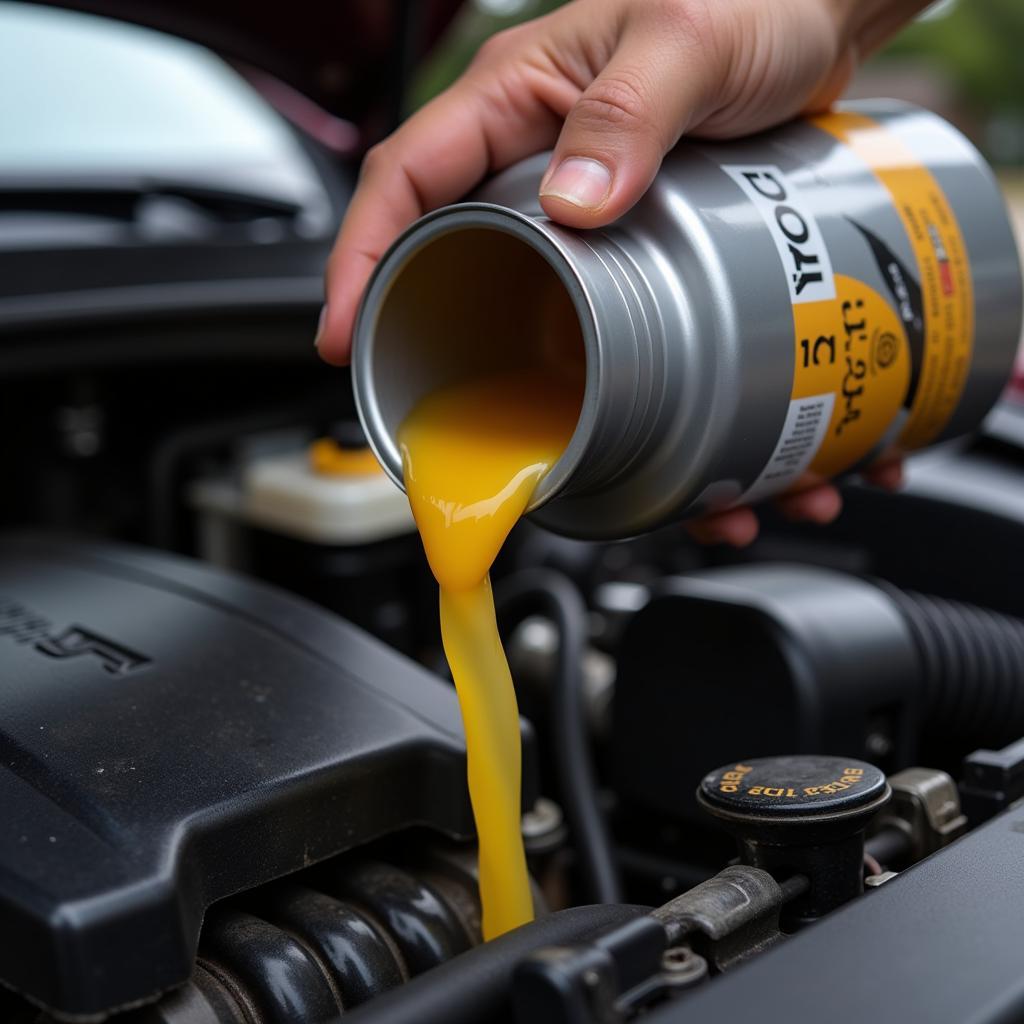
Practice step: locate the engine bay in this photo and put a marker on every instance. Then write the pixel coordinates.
(235, 769)
(782, 782)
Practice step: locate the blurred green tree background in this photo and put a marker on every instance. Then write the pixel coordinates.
(978, 46)
(979, 42)
(477, 20)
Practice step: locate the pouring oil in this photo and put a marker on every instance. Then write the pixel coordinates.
(804, 301)
(472, 455)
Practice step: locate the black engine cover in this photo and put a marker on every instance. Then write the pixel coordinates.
(171, 734)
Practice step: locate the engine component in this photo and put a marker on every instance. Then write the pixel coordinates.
(584, 960)
(800, 815)
(971, 665)
(778, 659)
(287, 494)
(532, 648)
(716, 924)
(173, 734)
(581, 983)
(827, 662)
(544, 839)
(939, 943)
(992, 781)
(731, 916)
(475, 986)
(924, 816)
(557, 595)
(292, 953)
(320, 522)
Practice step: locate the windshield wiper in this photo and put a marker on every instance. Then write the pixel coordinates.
(119, 198)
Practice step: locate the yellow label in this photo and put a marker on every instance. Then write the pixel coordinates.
(853, 347)
(942, 265)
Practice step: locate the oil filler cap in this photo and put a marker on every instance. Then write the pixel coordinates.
(800, 815)
(803, 788)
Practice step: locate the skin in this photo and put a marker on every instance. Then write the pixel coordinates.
(614, 84)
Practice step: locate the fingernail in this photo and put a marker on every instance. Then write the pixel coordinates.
(580, 181)
(320, 325)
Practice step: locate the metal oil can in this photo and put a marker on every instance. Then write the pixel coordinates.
(804, 300)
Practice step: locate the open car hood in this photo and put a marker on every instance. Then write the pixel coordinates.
(347, 56)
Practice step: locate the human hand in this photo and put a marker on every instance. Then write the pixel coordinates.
(813, 500)
(612, 85)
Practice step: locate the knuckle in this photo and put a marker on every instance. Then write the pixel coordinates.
(619, 100)
(689, 21)
(376, 159)
(497, 47)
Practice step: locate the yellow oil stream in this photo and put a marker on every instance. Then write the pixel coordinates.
(472, 455)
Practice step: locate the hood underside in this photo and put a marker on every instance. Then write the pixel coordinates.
(350, 57)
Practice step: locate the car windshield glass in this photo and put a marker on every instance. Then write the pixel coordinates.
(88, 95)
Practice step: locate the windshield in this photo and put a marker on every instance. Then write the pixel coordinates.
(88, 97)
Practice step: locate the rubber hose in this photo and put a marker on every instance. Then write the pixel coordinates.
(474, 986)
(559, 598)
(972, 667)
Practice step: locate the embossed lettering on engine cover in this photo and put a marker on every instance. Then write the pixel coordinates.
(24, 626)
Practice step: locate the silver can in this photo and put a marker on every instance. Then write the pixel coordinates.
(801, 301)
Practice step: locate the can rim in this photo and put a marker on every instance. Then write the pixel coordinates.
(541, 236)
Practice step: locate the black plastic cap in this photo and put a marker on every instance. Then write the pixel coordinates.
(801, 787)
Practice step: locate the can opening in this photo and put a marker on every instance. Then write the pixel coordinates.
(468, 301)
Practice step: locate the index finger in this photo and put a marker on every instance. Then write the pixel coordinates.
(439, 154)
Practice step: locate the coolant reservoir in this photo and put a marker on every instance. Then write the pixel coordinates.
(325, 494)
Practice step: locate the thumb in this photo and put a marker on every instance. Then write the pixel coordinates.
(615, 136)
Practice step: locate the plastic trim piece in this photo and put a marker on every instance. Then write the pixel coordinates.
(171, 734)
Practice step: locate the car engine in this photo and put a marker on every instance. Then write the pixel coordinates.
(234, 765)
(783, 783)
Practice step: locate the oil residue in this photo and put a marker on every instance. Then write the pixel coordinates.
(473, 454)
